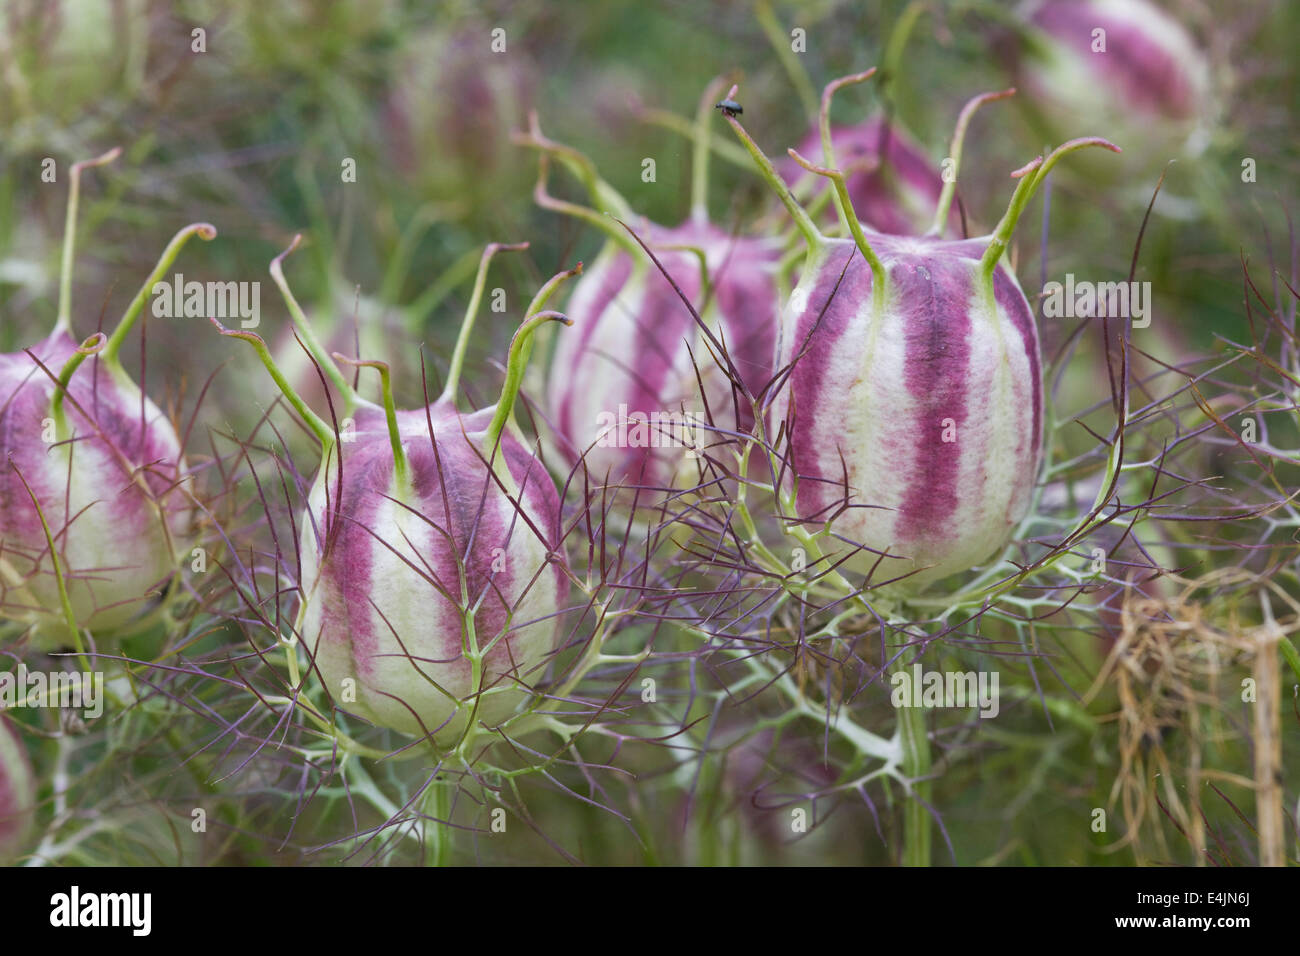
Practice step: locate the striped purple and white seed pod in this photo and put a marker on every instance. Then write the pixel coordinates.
(892, 182)
(17, 793)
(1148, 88)
(930, 412)
(392, 575)
(114, 494)
(635, 354)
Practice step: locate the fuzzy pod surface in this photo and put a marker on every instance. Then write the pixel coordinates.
(17, 793)
(407, 580)
(917, 427)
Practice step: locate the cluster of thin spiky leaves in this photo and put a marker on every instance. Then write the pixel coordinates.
(712, 665)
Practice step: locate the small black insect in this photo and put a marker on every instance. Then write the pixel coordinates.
(730, 108)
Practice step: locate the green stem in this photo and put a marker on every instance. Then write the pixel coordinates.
(605, 222)
(838, 722)
(700, 153)
(91, 346)
(954, 153)
(802, 222)
(842, 204)
(515, 365)
(471, 313)
(205, 231)
(64, 320)
(437, 831)
(1030, 176)
(543, 296)
(605, 196)
(314, 422)
(1289, 652)
(880, 283)
(304, 329)
(400, 467)
(363, 786)
(291, 658)
(916, 765)
(438, 290)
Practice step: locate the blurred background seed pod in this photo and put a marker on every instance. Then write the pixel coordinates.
(449, 110)
(1123, 69)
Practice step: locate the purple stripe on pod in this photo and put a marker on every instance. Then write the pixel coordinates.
(1013, 304)
(826, 329)
(934, 295)
(592, 296)
(663, 325)
(747, 301)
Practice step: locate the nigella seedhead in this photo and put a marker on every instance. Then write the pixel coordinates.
(17, 792)
(95, 504)
(433, 590)
(432, 578)
(641, 378)
(908, 402)
(638, 357)
(1124, 66)
(936, 399)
